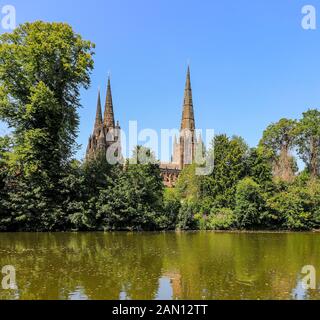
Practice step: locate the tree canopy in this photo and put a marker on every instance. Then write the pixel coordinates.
(43, 66)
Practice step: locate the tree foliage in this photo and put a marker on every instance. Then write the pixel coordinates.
(43, 66)
(249, 204)
(229, 159)
(277, 142)
(188, 184)
(133, 201)
(308, 141)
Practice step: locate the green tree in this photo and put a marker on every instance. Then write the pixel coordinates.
(134, 200)
(186, 219)
(229, 168)
(143, 155)
(171, 207)
(222, 219)
(292, 208)
(188, 184)
(42, 68)
(259, 167)
(249, 204)
(98, 176)
(277, 142)
(308, 141)
(5, 218)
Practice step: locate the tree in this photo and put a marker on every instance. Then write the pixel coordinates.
(259, 168)
(277, 142)
(249, 204)
(186, 216)
(5, 219)
(293, 208)
(42, 68)
(188, 184)
(171, 207)
(221, 219)
(229, 167)
(308, 141)
(134, 200)
(98, 176)
(143, 155)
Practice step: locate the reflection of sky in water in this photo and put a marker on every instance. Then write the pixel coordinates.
(122, 296)
(299, 292)
(165, 291)
(78, 294)
(9, 294)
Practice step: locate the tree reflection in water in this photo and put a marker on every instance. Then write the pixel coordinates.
(200, 265)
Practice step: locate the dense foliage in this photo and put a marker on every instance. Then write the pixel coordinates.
(42, 188)
(258, 188)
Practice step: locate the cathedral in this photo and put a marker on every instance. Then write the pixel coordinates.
(106, 133)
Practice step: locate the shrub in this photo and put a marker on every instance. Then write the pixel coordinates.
(186, 216)
(171, 207)
(134, 201)
(249, 208)
(201, 221)
(221, 219)
(314, 192)
(293, 208)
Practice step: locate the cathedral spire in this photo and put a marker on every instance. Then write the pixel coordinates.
(108, 112)
(101, 141)
(98, 121)
(188, 112)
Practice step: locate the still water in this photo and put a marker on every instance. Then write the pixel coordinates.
(201, 265)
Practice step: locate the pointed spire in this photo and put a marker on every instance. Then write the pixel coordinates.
(102, 136)
(108, 112)
(188, 112)
(101, 140)
(98, 121)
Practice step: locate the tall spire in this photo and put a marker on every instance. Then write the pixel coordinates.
(188, 121)
(108, 112)
(98, 121)
(101, 141)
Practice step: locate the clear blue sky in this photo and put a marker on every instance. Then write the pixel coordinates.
(251, 61)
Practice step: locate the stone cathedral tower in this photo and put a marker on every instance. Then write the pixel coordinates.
(184, 146)
(187, 143)
(105, 132)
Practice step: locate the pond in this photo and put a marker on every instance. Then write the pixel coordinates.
(195, 265)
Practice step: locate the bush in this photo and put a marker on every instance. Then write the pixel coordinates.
(186, 216)
(314, 192)
(249, 208)
(171, 207)
(201, 221)
(294, 208)
(221, 219)
(134, 200)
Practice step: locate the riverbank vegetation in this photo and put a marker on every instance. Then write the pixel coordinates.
(255, 189)
(43, 66)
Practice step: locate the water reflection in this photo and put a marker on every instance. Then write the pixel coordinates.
(200, 265)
